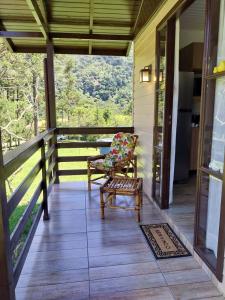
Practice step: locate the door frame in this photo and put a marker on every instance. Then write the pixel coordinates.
(168, 21)
(212, 21)
(168, 109)
(175, 12)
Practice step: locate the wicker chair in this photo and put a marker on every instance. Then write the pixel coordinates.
(117, 162)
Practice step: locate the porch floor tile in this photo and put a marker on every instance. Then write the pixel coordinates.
(76, 255)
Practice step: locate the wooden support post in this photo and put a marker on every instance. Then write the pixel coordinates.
(7, 290)
(50, 101)
(44, 182)
(50, 85)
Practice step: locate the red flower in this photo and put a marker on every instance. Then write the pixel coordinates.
(118, 135)
(114, 151)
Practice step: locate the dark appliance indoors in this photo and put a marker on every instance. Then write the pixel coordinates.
(184, 127)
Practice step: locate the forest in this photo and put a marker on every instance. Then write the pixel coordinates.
(90, 91)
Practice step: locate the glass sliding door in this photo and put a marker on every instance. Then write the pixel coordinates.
(210, 212)
(165, 42)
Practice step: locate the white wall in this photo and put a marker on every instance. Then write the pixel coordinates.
(144, 95)
(191, 36)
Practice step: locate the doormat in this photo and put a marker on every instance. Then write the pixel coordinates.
(163, 241)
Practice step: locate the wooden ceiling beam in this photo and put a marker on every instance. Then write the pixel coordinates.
(67, 35)
(71, 22)
(135, 25)
(138, 15)
(71, 50)
(38, 17)
(43, 10)
(83, 36)
(19, 34)
(7, 41)
(150, 7)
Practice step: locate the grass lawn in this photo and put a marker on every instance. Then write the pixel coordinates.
(16, 179)
(75, 165)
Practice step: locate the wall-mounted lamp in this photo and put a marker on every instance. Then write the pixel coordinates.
(146, 74)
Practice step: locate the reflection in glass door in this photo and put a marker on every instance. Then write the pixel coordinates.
(159, 117)
(210, 213)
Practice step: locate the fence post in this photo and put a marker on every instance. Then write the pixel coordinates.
(7, 289)
(44, 183)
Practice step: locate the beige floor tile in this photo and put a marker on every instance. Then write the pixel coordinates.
(120, 259)
(162, 293)
(202, 290)
(121, 263)
(177, 264)
(123, 270)
(185, 276)
(113, 285)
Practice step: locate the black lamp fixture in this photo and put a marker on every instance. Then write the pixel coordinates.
(146, 74)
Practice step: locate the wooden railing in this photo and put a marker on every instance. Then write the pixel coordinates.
(10, 163)
(74, 145)
(48, 145)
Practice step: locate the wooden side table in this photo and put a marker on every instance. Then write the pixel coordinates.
(121, 186)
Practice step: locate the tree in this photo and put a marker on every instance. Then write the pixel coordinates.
(21, 92)
(90, 91)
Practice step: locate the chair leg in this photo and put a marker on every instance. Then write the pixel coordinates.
(102, 204)
(89, 175)
(141, 193)
(135, 167)
(138, 206)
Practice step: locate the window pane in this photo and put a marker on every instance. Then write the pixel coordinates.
(209, 215)
(214, 133)
(161, 91)
(221, 42)
(160, 107)
(213, 218)
(158, 174)
(218, 136)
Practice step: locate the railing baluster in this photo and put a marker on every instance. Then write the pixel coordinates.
(7, 291)
(54, 157)
(44, 182)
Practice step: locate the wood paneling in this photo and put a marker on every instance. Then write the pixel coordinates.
(144, 94)
(117, 20)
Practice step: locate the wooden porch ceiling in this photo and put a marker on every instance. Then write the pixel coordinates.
(98, 27)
